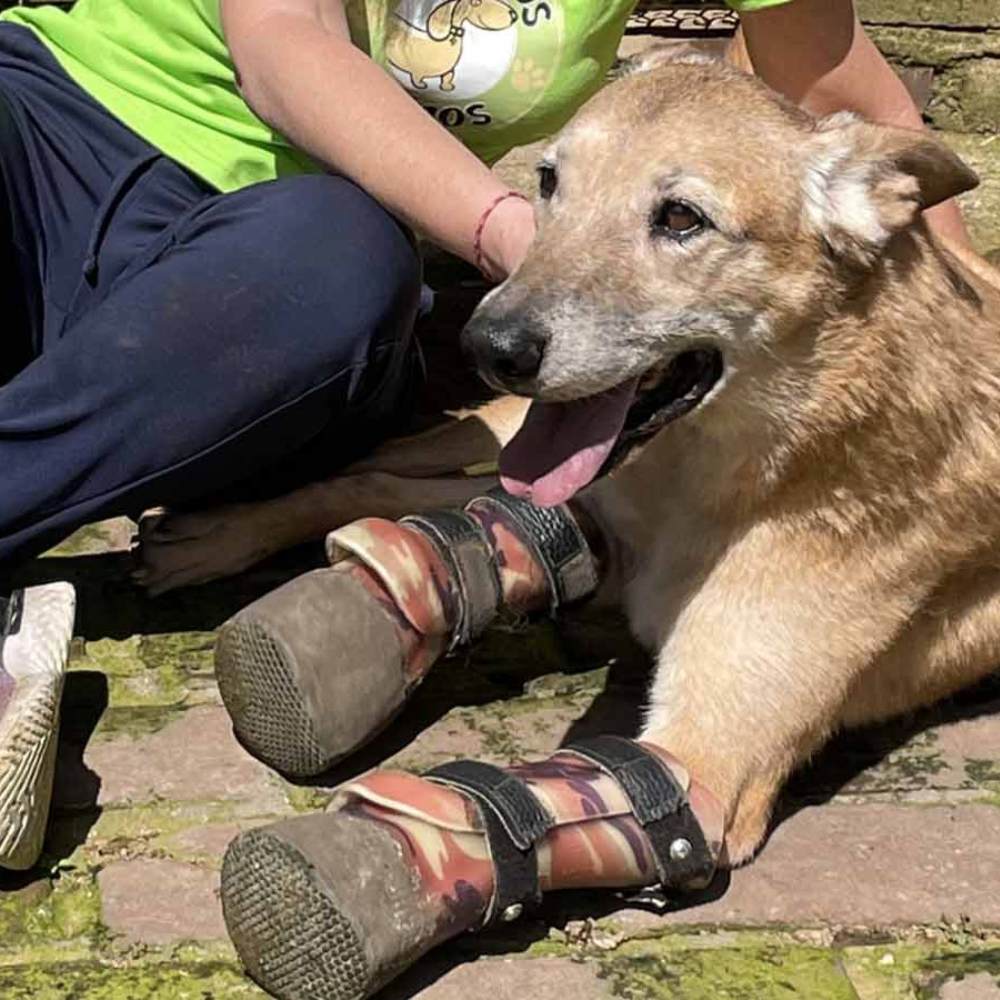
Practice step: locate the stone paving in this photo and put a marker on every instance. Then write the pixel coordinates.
(880, 881)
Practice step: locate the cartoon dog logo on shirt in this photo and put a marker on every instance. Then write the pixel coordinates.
(435, 51)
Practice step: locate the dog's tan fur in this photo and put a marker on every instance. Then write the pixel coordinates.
(818, 544)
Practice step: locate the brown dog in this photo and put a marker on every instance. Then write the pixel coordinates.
(809, 536)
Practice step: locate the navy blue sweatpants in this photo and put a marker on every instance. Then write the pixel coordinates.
(160, 342)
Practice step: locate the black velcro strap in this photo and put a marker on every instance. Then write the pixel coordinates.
(559, 544)
(461, 542)
(514, 821)
(659, 804)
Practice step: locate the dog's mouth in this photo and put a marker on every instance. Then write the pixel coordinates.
(563, 447)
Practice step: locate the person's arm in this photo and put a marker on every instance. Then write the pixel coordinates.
(817, 54)
(300, 73)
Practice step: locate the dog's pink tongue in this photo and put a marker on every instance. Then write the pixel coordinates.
(561, 446)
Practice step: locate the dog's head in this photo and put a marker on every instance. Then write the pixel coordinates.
(491, 15)
(691, 223)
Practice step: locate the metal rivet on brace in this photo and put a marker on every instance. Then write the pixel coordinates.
(512, 913)
(680, 849)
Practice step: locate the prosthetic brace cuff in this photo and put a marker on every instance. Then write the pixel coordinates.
(461, 542)
(515, 823)
(409, 564)
(660, 806)
(556, 540)
(441, 568)
(579, 798)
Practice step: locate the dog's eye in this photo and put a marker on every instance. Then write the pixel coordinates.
(548, 181)
(677, 219)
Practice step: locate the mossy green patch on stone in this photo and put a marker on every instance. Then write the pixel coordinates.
(515, 730)
(306, 799)
(155, 818)
(155, 829)
(940, 968)
(881, 973)
(916, 970)
(966, 65)
(640, 971)
(984, 773)
(93, 539)
(550, 686)
(942, 13)
(965, 98)
(135, 720)
(191, 653)
(71, 911)
(16, 905)
(132, 681)
(981, 206)
(883, 764)
(98, 981)
(162, 670)
(498, 739)
(927, 47)
(150, 678)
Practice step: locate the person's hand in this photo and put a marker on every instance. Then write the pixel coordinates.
(506, 237)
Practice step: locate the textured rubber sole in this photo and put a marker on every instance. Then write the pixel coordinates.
(35, 658)
(287, 928)
(258, 687)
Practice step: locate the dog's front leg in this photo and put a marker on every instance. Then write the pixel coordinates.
(756, 667)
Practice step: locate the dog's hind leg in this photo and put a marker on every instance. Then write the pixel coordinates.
(952, 643)
(445, 466)
(179, 550)
(471, 439)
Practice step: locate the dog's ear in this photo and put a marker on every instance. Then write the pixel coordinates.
(865, 182)
(440, 23)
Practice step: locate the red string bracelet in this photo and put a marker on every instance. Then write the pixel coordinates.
(477, 242)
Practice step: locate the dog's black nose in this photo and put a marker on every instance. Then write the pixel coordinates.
(506, 353)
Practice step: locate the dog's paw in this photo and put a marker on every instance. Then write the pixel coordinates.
(181, 550)
(751, 821)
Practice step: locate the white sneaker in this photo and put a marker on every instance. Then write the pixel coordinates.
(36, 626)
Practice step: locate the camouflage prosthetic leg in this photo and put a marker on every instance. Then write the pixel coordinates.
(314, 669)
(337, 904)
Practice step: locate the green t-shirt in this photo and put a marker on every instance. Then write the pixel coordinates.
(498, 73)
